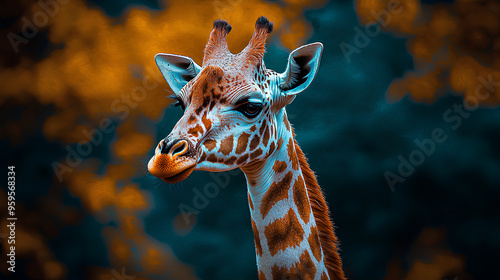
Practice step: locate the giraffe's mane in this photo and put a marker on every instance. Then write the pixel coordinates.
(328, 239)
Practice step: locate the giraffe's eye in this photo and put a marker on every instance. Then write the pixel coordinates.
(250, 109)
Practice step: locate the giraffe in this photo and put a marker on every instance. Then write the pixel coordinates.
(235, 117)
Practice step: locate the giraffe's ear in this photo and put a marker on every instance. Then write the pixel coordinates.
(302, 66)
(178, 70)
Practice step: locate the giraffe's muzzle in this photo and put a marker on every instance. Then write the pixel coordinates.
(173, 161)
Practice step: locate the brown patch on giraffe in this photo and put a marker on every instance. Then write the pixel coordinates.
(291, 154)
(256, 237)
(242, 143)
(210, 144)
(303, 270)
(198, 110)
(265, 138)
(287, 124)
(203, 157)
(226, 146)
(195, 130)
(256, 153)
(324, 276)
(280, 142)
(204, 87)
(301, 200)
(206, 101)
(284, 233)
(230, 160)
(279, 166)
(261, 275)
(255, 142)
(223, 100)
(277, 191)
(314, 243)
(250, 201)
(191, 119)
(242, 159)
(263, 127)
(206, 122)
(271, 148)
(212, 158)
(253, 128)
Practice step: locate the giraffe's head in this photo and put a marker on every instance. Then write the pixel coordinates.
(232, 104)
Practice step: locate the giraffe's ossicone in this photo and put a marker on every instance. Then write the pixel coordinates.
(235, 117)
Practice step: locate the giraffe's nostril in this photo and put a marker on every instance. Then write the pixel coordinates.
(175, 148)
(165, 147)
(178, 150)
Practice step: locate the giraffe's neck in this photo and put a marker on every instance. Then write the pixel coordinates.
(286, 236)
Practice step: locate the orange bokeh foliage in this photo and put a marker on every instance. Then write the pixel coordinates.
(454, 47)
(429, 258)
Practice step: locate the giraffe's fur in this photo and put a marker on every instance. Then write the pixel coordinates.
(293, 234)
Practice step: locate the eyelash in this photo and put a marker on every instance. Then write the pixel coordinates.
(179, 102)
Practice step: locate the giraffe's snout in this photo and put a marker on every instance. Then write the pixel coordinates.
(173, 161)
